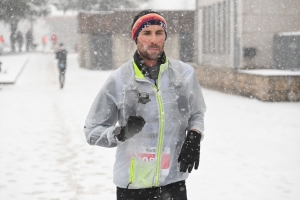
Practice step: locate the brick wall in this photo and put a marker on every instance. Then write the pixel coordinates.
(262, 87)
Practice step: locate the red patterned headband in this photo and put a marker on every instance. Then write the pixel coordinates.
(145, 21)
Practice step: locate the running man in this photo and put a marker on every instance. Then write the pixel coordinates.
(61, 56)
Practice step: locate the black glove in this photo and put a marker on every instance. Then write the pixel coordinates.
(133, 126)
(190, 152)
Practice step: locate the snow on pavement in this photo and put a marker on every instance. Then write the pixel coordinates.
(12, 67)
(250, 150)
(43, 150)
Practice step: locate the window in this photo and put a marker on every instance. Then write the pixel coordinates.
(216, 28)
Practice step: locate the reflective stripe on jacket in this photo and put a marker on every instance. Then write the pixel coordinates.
(150, 157)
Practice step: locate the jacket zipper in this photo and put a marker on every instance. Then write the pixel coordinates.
(160, 137)
(161, 131)
(140, 77)
(131, 175)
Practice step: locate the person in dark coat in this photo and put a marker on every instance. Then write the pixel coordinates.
(61, 56)
(20, 40)
(29, 39)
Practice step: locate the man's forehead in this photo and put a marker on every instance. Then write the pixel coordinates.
(153, 28)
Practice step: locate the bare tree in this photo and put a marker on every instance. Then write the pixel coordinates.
(94, 5)
(12, 11)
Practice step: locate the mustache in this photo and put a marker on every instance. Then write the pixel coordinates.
(153, 46)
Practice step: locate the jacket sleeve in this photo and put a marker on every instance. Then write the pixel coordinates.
(197, 105)
(102, 117)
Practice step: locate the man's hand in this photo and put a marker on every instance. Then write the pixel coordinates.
(134, 125)
(190, 152)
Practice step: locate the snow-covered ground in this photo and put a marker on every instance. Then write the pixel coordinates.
(250, 150)
(12, 66)
(271, 72)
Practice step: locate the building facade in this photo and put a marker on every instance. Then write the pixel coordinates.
(104, 38)
(240, 33)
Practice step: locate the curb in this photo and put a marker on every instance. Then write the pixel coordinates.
(18, 74)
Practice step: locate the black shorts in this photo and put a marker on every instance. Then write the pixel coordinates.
(173, 191)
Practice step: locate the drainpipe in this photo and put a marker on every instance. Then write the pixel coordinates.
(196, 34)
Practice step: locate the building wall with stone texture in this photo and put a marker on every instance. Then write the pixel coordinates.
(228, 28)
(263, 87)
(84, 52)
(124, 49)
(128, 47)
(261, 20)
(219, 32)
(117, 24)
(172, 46)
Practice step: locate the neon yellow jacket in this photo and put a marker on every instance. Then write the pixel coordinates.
(150, 157)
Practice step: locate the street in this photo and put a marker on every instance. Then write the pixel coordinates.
(250, 149)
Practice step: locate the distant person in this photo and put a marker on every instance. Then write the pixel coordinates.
(61, 56)
(13, 39)
(1, 49)
(29, 40)
(53, 40)
(44, 41)
(19, 39)
(0, 69)
(1, 44)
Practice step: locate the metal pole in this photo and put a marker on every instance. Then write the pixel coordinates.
(196, 34)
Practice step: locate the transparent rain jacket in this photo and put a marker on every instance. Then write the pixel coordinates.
(149, 158)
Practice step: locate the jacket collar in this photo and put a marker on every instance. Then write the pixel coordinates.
(142, 67)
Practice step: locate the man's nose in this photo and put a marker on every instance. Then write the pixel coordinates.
(153, 38)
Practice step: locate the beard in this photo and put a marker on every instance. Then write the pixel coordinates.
(153, 55)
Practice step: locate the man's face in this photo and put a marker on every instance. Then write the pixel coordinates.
(150, 42)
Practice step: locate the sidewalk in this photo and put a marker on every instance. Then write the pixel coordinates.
(12, 66)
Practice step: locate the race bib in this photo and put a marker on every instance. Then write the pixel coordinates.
(149, 154)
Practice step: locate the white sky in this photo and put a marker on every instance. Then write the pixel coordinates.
(172, 4)
(152, 4)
